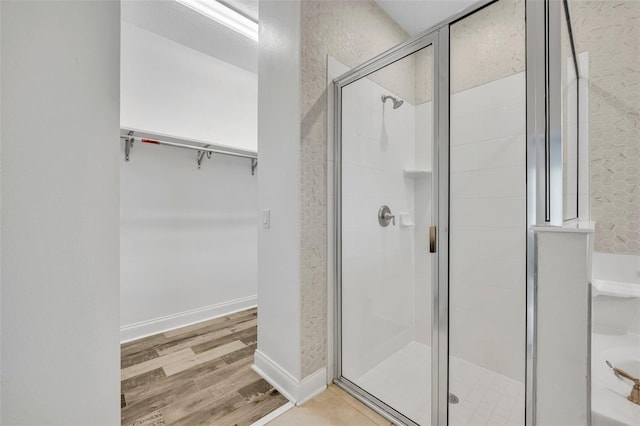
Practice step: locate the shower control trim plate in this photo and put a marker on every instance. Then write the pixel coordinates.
(385, 217)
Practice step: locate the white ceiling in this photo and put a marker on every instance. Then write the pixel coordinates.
(248, 8)
(181, 24)
(416, 16)
(176, 22)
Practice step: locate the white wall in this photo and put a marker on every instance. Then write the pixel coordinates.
(377, 262)
(616, 315)
(563, 327)
(279, 187)
(488, 229)
(169, 88)
(189, 241)
(417, 16)
(188, 238)
(60, 100)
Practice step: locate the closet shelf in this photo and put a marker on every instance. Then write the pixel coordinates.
(204, 149)
(417, 173)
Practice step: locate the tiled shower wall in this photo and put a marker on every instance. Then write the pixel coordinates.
(488, 189)
(610, 32)
(423, 211)
(352, 32)
(488, 226)
(377, 262)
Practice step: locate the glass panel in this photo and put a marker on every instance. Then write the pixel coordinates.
(569, 84)
(487, 253)
(387, 143)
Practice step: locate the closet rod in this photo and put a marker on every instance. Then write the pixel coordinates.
(196, 145)
(132, 135)
(195, 148)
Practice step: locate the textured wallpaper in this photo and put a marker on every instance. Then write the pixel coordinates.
(491, 40)
(352, 32)
(610, 32)
(423, 75)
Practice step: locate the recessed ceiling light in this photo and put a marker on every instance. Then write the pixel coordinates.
(224, 15)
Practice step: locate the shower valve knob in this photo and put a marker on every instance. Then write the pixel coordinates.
(385, 217)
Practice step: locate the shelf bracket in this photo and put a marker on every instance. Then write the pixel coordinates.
(254, 164)
(128, 144)
(201, 155)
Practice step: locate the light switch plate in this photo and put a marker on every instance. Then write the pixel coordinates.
(266, 218)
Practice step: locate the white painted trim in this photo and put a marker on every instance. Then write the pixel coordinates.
(296, 391)
(181, 319)
(272, 415)
(312, 386)
(286, 384)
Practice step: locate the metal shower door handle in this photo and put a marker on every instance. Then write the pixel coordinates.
(432, 239)
(385, 216)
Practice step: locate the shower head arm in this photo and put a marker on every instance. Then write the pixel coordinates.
(396, 102)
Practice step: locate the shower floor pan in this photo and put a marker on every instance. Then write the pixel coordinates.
(485, 397)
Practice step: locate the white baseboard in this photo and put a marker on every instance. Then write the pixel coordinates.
(296, 391)
(181, 319)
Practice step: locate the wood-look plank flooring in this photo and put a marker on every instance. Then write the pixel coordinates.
(196, 375)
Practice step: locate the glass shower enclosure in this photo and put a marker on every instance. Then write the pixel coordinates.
(438, 176)
(387, 201)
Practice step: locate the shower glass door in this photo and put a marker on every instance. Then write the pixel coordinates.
(386, 208)
(487, 226)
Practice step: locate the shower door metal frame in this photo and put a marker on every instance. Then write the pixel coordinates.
(438, 37)
(400, 52)
(537, 31)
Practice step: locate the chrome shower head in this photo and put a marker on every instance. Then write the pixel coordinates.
(397, 103)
